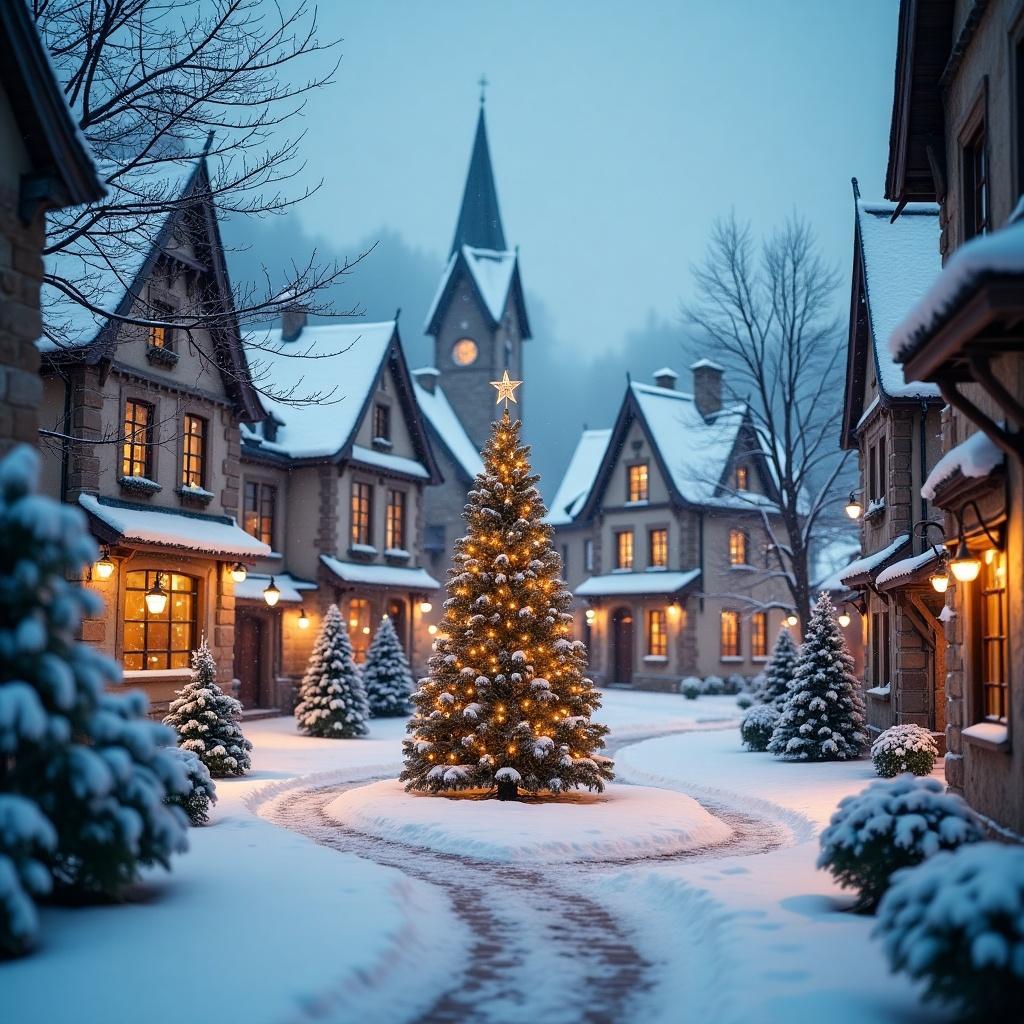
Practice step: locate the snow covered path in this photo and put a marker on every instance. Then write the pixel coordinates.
(538, 940)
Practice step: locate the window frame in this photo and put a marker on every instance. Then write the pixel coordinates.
(657, 634)
(662, 532)
(588, 554)
(161, 310)
(643, 482)
(742, 478)
(988, 585)
(975, 155)
(381, 417)
(187, 456)
(183, 654)
(360, 640)
(361, 514)
(738, 534)
(733, 650)
(759, 636)
(620, 545)
(130, 430)
(265, 493)
(390, 516)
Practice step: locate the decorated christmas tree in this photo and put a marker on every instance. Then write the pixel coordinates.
(506, 705)
(83, 773)
(206, 719)
(332, 700)
(778, 676)
(386, 674)
(823, 718)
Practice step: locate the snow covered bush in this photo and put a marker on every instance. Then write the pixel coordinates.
(893, 824)
(778, 674)
(198, 790)
(206, 719)
(757, 726)
(904, 748)
(734, 684)
(745, 700)
(386, 674)
(691, 687)
(27, 839)
(956, 923)
(713, 685)
(823, 717)
(89, 761)
(332, 700)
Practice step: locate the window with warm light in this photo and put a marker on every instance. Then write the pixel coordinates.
(159, 641)
(992, 634)
(258, 510)
(759, 636)
(359, 627)
(193, 454)
(738, 547)
(381, 422)
(161, 335)
(637, 482)
(730, 634)
(394, 521)
(137, 447)
(657, 543)
(464, 352)
(657, 633)
(362, 513)
(741, 478)
(624, 549)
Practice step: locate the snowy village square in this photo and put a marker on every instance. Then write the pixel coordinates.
(511, 513)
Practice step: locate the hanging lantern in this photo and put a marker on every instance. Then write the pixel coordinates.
(843, 619)
(426, 606)
(792, 619)
(853, 507)
(303, 619)
(271, 594)
(239, 572)
(104, 568)
(939, 580)
(156, 596)
(964, 566)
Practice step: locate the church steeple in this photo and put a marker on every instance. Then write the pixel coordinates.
(479, 218)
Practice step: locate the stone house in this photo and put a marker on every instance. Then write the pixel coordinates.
(44, 165)
(335, 490)
(660, 526)
(894, 428)
(958, 139)
(143, 430)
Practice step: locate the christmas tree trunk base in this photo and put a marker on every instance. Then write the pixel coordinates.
(507, 789)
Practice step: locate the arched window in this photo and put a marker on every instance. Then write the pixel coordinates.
(165, 640)
(738, 547)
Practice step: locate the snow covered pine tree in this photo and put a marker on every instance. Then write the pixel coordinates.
(506, 703)
(83, 773)
(780, 671)
(386, 674)
(206, 719)
(823, 719)
(332, 700)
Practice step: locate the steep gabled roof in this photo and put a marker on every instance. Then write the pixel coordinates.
(479, 223)
(64, 173)
(894, 264)
(341, 362)
(579, 476)
(447, 428)
(495, 278)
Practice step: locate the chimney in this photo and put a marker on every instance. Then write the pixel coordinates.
(293, 319)
(666, 377)
(426, 377)
(707, 386)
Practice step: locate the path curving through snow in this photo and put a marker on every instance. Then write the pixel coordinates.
(540, 946)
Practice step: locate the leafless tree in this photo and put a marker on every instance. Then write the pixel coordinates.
(154, 85)
(768, 313)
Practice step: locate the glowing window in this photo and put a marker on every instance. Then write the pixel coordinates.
(165, 640)
(624, 549)
(738, 547)
(394, 521)
(362, 513)
(136, 452)
(759, 635)
(464, 352)
(658, 542)
(730, 634)
(993, 674)
(657, 633)
(359, 627)
(193, 458)
(638, 482)
(741, 478)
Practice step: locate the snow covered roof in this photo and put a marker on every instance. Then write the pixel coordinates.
(208, 535)
(998, 253)
(703, 364)
(380, 575)
(579, 476)
(292, 589)
(901, 261)
(341, 361)
(388, 461)
(978, 456)
(905, 568)
(614, 584)
(492, 272)
(877, 559)
(832, 557)
(447, 425)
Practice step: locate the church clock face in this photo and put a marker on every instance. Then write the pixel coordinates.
(464, 352)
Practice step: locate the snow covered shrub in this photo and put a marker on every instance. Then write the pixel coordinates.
(197, 791)
(332, 700)
(691, 687)
(386, 674)
(745, 700)
(27, 839)
(206, 719)
(823, 718)
(714, 685)
(734, 684)
(89, 760)
(893, 824)
(778, 674)
(956, 923)
(904, 748)
(757, 726)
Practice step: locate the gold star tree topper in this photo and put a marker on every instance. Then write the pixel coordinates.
(506, 387)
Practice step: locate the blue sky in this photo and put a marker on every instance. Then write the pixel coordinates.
(618, 132)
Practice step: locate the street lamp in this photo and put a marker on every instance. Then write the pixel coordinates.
(156, 596)
(271, 594)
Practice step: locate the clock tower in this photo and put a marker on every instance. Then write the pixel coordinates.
(478, 318)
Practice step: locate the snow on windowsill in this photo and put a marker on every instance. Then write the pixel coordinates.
(362, 549)
(875, 508)
(994, 735)
(742, 567)
(397, 553)
(656, 659)
(759, 657)
(656, 568)
(139, 484)
(623, 568)
(880, 692)
(382, 442)
(155, 675)
(732, 658)
(193, 493)
(639, 503)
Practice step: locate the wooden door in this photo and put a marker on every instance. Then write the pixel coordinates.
(249, 658)
(622, 646)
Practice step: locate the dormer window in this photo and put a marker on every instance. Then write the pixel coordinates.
(161, 335)
(637, 482)
(742, 480)
(381, 423)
